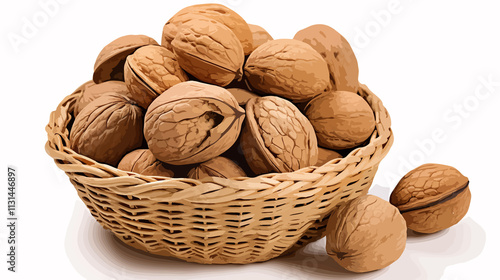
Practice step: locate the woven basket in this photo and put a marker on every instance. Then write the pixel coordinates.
(215, 220)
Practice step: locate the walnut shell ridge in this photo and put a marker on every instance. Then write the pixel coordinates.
(288, 68)
(192, 122)
(108, 128)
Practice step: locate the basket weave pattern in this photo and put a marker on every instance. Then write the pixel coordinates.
(217, 220)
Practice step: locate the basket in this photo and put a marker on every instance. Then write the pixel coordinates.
(215, 220)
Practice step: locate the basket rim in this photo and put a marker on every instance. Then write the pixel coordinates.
(57, 146)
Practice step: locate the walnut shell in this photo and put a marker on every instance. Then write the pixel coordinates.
(325, 155)
(341, 119)
(242, 95)
(217, 167)
(365, 234)
(108, 128)
(216, 12)
(432, 197)
(336, 51)
(277, 137)
(142, 161)
(150, 71)
(110, 61)
(289, 68)
(93, 91)
(259, 35)
(209, 51)
(192, 122)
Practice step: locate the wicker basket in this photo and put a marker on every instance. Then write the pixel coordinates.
(215, 220)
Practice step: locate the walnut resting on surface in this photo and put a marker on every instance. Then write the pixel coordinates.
(432, 197)
(365, 234)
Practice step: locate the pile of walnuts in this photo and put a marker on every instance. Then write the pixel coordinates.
(220, 97)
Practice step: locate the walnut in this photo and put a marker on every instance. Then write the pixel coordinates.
(242, 95)
(150, 71)
(259, 35)
(209, 50)
(288, 68)
(325, 155)
(432, 197)
(108, 128)
(217, 167)
(341, 119)
(192, 122)
(110, 61)
(216, 12)
(142, 161)
(277, 137)
(365, 234)
(92, 91)
(336, 51)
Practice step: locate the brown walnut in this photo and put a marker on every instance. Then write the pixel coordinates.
(336, 51)
(259, 35)
(108, 128)
(242, 95)
(325, 155)
(209, 50)
(150, 71)
(432, 197)
(142, 161)
(288, 68)
(277, 137)
(93, 91)
(217, 167)
(341, 119)
(110, 61)
(192, 122)
(365, 234)
(217, 12)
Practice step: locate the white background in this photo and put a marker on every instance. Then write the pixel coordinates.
(427, 61)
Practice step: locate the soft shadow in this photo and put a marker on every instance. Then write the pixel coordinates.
(97, 254)
(426, 256)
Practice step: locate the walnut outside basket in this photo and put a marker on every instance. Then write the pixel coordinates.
(215, 220)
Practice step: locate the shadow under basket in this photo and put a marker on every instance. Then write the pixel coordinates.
(215, 220)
